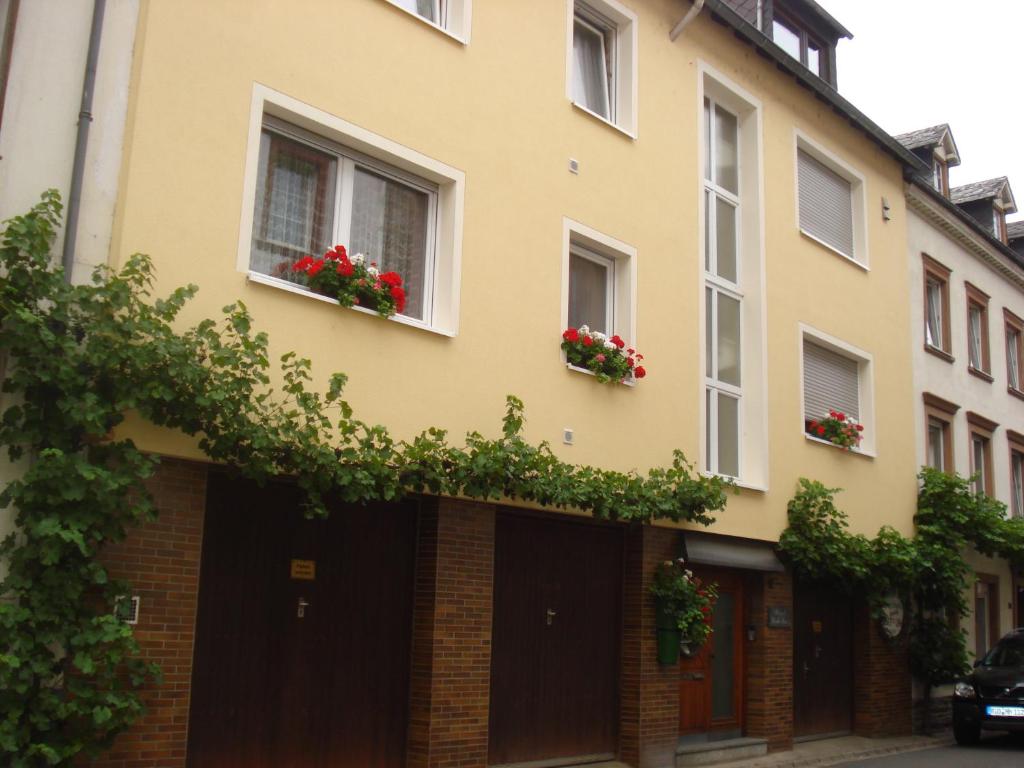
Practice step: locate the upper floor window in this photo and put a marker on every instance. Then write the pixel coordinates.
(602, 61)
(831, 202)
(940, 176)
(836, 377)
(801, 45)
(1016, 441)
(1014, 328)
(309, 198)
(330, 182)
(939, 416)
(981, 430)
(450, 16)
(936, 303)
(977, 333)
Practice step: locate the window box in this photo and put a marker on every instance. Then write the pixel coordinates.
(313, 180)
(606, 357)
(601, 61)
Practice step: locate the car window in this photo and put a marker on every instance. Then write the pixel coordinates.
(1006, 653)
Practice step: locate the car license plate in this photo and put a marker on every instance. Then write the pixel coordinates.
(1004, 711)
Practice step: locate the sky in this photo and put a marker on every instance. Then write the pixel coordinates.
(916, 63)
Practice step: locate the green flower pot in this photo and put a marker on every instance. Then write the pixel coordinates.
(668, 646)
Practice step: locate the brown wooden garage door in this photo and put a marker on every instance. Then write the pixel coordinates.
(557, 627)
(329, 687)
(822, 660)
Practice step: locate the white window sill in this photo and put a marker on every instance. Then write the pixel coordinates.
(429, 23)
(630, 382)
(830, 444)
(835, 250)
(759, 488)
(274, 282)
(605, 120)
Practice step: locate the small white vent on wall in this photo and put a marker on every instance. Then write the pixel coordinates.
(127, 609)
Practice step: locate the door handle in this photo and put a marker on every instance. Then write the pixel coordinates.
(301, 609)
(807, 668)
(550, 614)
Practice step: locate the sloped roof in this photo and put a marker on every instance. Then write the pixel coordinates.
(985, 190)
(933, 136)
(1014, 230)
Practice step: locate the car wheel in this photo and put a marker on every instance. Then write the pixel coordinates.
(966, 734)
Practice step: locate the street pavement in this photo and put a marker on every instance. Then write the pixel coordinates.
(1001, 751)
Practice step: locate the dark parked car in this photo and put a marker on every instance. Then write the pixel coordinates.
(991, 698)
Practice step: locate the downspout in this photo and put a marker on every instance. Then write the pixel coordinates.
(82, 141)
(691, 14)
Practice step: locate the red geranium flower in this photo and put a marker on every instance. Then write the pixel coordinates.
(391, 278)
(303, 264)
(571, 335)
(821, 430)
(341, 252)
(315, 267)
(639, 371)
(617, 341)
(399, 296)
(587, 341)
(345, 268)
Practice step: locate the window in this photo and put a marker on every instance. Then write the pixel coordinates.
(830, 202)
(977, 333)
(998, 223)
(936, 308)
(800, 45)
(980, 430)
(939, 415)
(449, 16)
(940, 176)
(598, 273)
(601, 68)
(1016, 442)
(836, 377)
(308, 199)
(313, 181)
(1014, 328)
(734, 402)
(723, 297)
(591, 290)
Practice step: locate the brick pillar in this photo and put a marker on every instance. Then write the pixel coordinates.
(649, 719)
(450, 695)
(160, 560)
(882, 687)
(770, 665)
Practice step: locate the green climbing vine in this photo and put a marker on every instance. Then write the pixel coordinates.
(81, 356)
(928, 570)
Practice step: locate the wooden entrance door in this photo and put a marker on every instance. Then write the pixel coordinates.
(822, 661)
(711, 682)
(329, 687)
(555, 646)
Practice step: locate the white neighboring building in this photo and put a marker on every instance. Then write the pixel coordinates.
(967, 295)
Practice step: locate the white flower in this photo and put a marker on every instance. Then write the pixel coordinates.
(358, 258)
(584, 330)
(609, 345)
(372, 271)
(598, 336)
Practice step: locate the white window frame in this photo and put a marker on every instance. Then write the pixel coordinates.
(858, 196)
(617, 23)
(749, 287)
(865, 385)
(441, 314)
(581, 239)
(454, 17)
(583, 252)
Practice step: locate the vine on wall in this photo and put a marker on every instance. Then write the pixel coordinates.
(81, 356)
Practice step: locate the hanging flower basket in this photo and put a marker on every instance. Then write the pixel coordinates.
(684, 606)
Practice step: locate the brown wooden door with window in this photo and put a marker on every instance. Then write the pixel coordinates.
(298, 672)
(555, 647)
(711, 681)
(822, 661)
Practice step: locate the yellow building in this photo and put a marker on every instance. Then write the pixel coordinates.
(683, 176)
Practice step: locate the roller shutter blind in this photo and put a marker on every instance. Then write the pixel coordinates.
(826, 204)
(830, 383)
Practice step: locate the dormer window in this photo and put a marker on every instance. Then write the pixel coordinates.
(940, 176)
(800, 45)
(998, 223)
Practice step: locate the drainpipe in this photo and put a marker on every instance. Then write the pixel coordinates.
(82, 140)
(691, 14)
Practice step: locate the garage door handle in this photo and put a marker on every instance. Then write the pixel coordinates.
(551, 616)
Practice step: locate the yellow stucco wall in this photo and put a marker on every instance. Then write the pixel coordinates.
(497, 110)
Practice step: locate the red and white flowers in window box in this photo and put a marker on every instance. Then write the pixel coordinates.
(352, 281)
(838, 428)
(605, 356)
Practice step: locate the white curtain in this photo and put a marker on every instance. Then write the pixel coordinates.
(1013, 359)
(974, 352)
(934, 327)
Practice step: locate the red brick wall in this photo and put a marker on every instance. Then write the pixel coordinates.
(649, 709)
(160, 560)
(882, 689)
(451, 698)
(770, 665)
